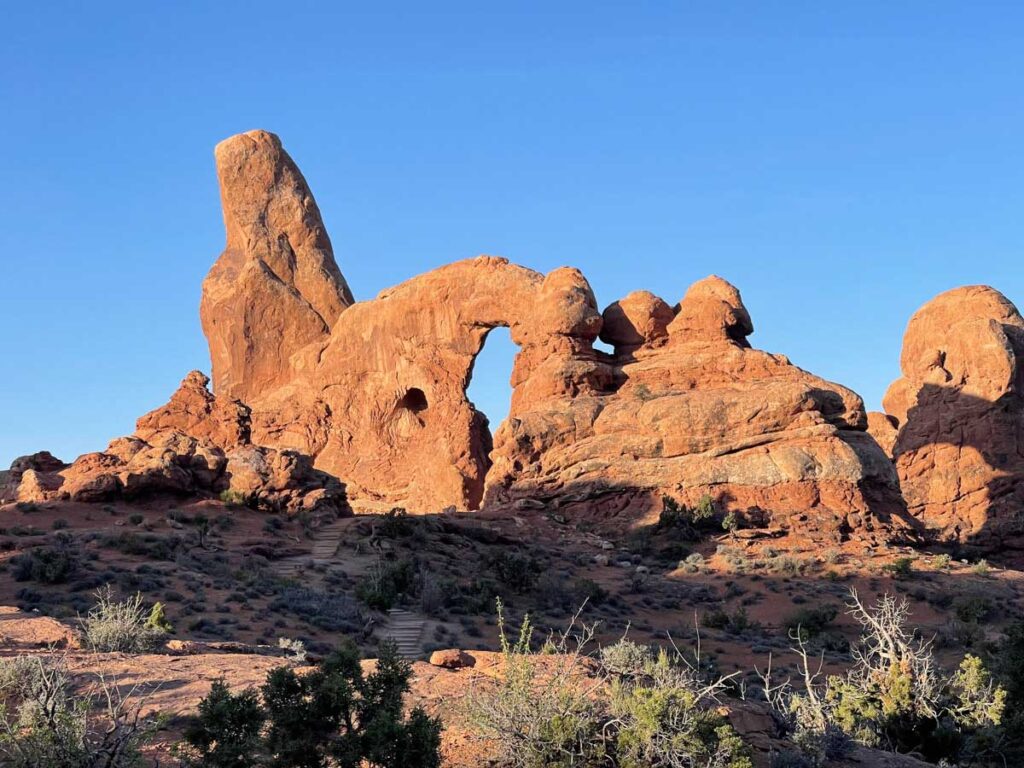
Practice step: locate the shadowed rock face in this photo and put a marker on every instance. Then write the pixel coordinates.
(376, 391)
(959, 451)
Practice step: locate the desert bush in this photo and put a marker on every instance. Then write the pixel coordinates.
(44, 723)
(226, 731)
(296, 648)
(689, 523)
(395, 523)
(635, 709)
(334, 716)
(151, 546)
(807, 623)
(900, 568)
(735, 622)
(942, 562)
(516, 570)
(236, 498)
(331, 611)
(386, 582)
(46, 565)
(1010, 671)
(693, 563)
(974, 609)
(123, 626)
(894, 696)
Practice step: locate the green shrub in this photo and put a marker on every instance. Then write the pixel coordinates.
(46, 565)
(735, 623)
(974, 609)
(900, 568)
(637, 709)
(121, 626)
(688, 523)
(385, 583)
(151, 546)
(1010, 671)
(334, 715)
(516, 570)
(157, 619)
(808, 623)
(226, 731)
(894, 697)
(395, 523)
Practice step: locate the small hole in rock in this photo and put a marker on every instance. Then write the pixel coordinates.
(414, 400)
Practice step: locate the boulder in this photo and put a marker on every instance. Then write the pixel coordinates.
(641, 319)
(42, 461)
(451, 658)
(37, 486)
(959, 450)
(884, 429)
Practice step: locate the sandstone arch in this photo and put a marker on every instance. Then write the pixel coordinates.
(376, 390)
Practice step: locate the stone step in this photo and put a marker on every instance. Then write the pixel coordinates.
(405, 629)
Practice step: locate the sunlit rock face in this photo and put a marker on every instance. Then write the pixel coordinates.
(694, 410)
(376, 390)
(959, 449)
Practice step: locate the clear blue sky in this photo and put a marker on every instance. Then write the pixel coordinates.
(839, 162)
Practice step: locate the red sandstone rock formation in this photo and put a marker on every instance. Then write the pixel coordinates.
(195, 444)
(700, 412)
(884, 428)
(383, 403)
(959, 451)
(277, 281)
(377, 392)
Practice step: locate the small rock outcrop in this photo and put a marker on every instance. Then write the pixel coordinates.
(195, 444)
(959, 449)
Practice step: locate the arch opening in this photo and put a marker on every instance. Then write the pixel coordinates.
(490, 378)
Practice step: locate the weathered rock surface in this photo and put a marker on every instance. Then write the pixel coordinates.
(702, 413)
(959, 451)
(884, 428)
(383, 403)
(377, 392)
(277, 280)
(195, 444)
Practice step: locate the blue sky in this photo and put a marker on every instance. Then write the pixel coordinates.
(840, 163)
